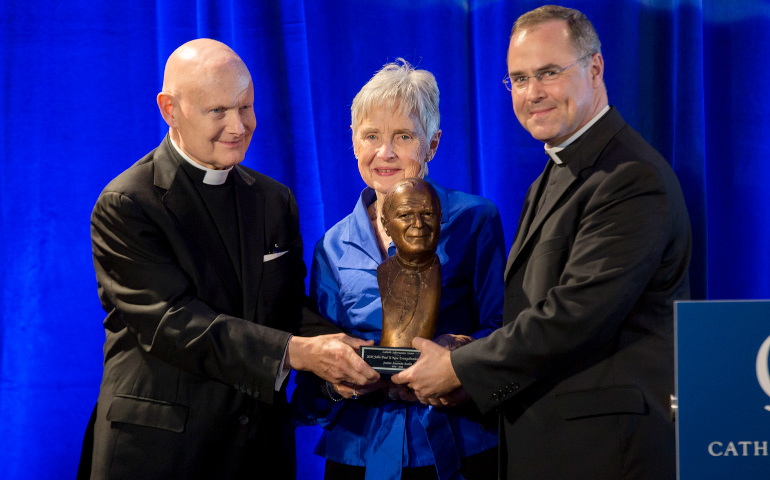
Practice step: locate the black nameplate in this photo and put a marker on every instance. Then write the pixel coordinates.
(389, 360)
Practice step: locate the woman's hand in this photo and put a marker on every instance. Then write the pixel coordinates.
(401, 392)
(352, 392)
(452, 342)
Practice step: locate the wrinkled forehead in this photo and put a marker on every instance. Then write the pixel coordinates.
(541, 45)
(227, 85)
(190, 68)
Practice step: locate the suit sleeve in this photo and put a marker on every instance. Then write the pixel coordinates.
(145, 290)
(602, 266)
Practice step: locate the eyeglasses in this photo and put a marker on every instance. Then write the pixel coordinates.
(546, 77)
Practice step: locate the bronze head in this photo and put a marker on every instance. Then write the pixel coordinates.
(411, 216)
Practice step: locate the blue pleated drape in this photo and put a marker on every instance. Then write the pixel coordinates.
(78, 81)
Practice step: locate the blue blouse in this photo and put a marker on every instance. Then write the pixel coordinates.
(374, 430)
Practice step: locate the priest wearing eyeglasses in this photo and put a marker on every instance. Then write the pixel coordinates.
(582, 370)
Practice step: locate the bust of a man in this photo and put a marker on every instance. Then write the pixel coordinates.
(410, 281)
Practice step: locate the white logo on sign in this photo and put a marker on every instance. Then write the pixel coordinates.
(763, 375)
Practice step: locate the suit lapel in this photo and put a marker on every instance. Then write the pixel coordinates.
(527, 215)
(251, 220)
(563, 179)
(184, 203)
(580, 155)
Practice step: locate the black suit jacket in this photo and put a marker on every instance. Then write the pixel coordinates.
(192, 353)
(582, 370)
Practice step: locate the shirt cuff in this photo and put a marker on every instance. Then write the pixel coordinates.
(283, 370)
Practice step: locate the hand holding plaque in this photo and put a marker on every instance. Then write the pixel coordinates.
(409, 281)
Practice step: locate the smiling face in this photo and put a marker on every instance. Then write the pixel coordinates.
(411, 216)
(553, 113)
(207, 101)
(218, 120)
(390, 146)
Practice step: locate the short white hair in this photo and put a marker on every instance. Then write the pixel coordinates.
(415, 92)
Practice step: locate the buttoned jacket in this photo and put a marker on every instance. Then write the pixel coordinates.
(582, 371)
(193, 342)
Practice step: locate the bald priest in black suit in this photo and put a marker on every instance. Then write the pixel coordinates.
(199, 267)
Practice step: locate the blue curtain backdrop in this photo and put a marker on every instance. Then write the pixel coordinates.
(78, 81)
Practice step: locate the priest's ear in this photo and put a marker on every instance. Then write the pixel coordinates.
(168, 106)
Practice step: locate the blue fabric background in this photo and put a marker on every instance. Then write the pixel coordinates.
(78, 81)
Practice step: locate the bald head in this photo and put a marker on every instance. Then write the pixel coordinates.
(207, 101)
(196, 61)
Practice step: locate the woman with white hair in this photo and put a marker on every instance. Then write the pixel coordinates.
(386, 433)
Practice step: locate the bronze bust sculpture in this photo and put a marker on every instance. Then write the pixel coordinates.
(410, 281)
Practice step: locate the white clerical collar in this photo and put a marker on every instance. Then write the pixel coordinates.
(552, 151)
(212, 177)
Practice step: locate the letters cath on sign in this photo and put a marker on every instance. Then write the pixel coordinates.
(744, 448)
